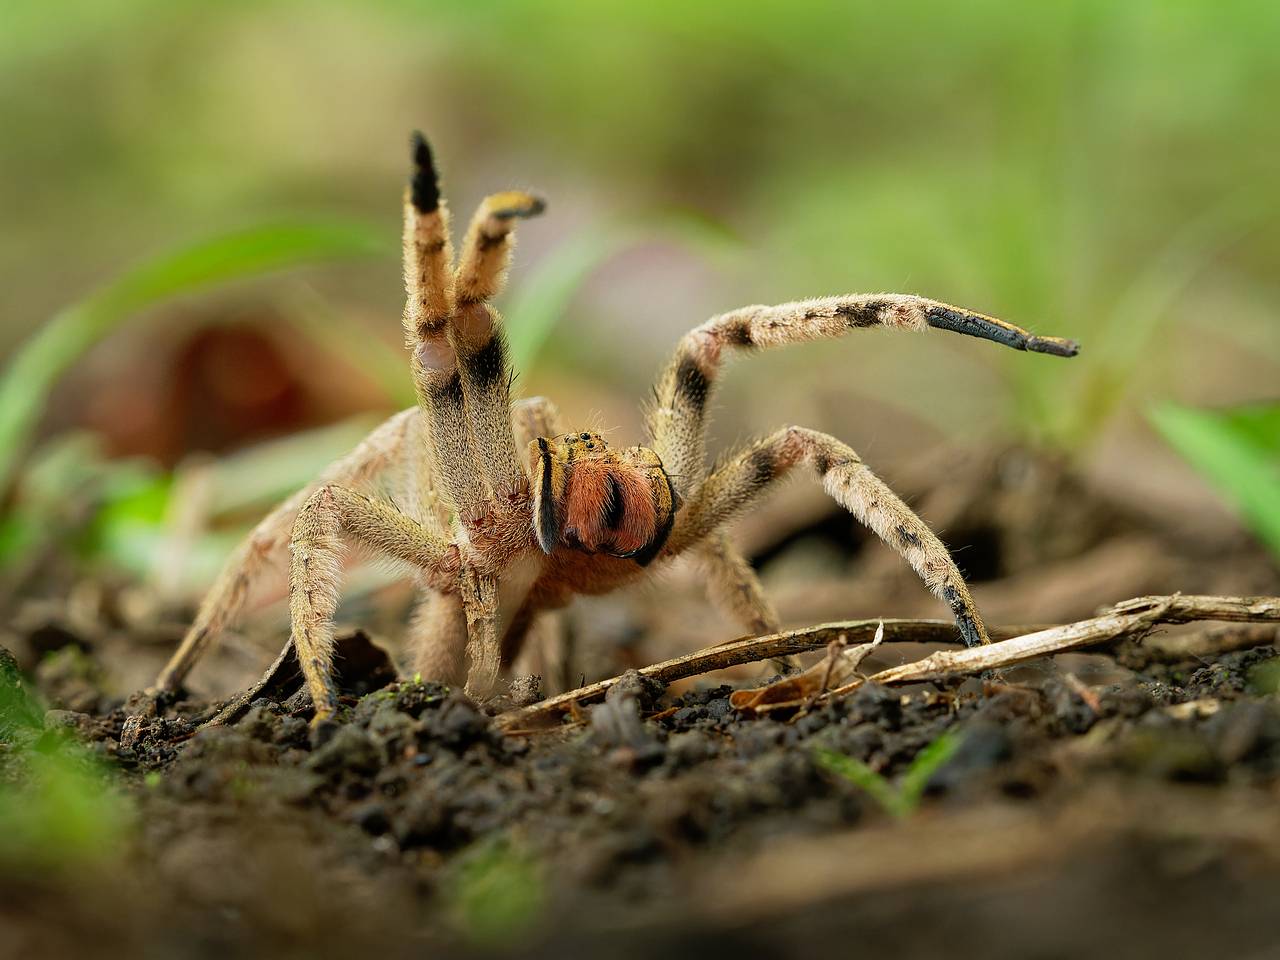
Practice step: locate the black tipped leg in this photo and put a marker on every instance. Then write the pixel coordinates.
(1056, 346)
(987, 328)
(425, 183)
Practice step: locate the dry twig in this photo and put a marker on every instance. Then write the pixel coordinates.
(1130, 618)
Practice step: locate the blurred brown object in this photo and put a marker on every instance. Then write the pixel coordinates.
(211, 384)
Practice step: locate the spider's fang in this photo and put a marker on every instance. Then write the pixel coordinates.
(545, 506)
(425, 183)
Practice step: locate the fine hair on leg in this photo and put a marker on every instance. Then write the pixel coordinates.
(677, 416)
(733, 487)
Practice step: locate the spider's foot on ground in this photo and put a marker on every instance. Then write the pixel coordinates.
(323, 726)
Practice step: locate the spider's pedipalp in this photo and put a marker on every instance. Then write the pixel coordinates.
(736, 485)
(437, 638)
(677, 417)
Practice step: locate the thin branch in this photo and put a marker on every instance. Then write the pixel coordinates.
(1125, 619)
(1130, 618)
(749, 650)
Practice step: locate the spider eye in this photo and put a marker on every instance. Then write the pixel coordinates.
(584, 436)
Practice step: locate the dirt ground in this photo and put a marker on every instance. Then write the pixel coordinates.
(1124, 802)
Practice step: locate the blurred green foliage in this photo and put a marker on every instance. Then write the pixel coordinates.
(58, 810)
(1090, 169)
(26, 382)
(495, 892)
(899, 800)
(1238, 451)
(1097, 170)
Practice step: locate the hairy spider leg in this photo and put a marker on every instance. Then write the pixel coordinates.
(224, 604)
(733, 487)
(677, 416)
(331, 515)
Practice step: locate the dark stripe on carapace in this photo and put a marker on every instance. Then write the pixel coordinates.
(692, 385)
(614, 507)
(425, 184)
(486, 366)
(644, 556)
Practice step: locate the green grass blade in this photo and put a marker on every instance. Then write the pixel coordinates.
(862, 776)
(1238, 452)
(232, 256)
(534, 309)
(538, 304)
(927, 762)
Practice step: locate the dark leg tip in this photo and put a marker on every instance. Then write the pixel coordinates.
(1056, 346)
(425, 183)
(322, 732)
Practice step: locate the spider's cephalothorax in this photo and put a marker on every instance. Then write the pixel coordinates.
(589, 497)
(500, 537)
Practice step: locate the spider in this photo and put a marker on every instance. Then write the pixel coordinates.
(493, 530)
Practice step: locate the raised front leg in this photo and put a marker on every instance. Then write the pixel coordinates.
(678, 416)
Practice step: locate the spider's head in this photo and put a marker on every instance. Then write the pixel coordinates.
(589, 497)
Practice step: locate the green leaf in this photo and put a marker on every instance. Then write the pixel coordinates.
(58, 808)
(541, 300)
(861, 775)
(1238, 451)
(927, 762)
(544, 297)
(902, 800)
(65, 338)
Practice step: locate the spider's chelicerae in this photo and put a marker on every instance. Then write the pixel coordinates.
(506, 516)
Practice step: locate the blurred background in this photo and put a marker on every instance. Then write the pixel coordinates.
(200, 254)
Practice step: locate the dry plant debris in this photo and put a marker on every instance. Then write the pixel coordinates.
(1129, 619)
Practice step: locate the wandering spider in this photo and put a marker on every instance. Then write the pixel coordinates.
(499, 537)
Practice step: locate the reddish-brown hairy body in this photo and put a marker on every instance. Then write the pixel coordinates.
(610, 506)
